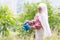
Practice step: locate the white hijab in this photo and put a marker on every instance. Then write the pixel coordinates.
(43, 18)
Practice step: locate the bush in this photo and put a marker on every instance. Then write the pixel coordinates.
(6, 20)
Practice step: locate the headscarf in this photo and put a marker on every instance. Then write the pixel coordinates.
(43, 18)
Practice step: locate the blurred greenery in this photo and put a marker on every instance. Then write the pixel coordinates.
(11, 24)
(6, 20)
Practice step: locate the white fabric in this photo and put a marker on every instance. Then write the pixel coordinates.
(43, 18)
(39, 34)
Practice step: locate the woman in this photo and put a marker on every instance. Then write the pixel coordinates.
(40, 23)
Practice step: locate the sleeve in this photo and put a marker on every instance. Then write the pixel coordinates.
(32, 22)
(38, 24)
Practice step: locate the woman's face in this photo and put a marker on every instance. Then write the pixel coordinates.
(39, 9)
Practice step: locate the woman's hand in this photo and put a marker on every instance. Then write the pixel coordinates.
(27, 21)
(30, 22)
(32, 27)
(38, 27)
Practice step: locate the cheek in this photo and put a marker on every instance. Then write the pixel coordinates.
(40, 10)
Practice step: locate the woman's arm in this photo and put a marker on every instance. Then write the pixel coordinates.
(31, 22)
(37, 26)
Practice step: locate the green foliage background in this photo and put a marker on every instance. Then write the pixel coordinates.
(6, 20)
(10, 23)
